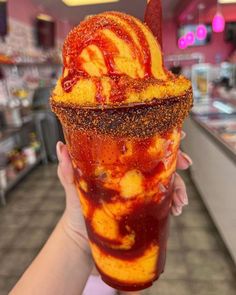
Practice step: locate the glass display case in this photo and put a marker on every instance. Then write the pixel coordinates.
(219, 118)
(224, 127)
(211, 143)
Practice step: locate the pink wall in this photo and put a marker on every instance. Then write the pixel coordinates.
(26, 11)
(217, 45)
(229, 12)
(187, 8)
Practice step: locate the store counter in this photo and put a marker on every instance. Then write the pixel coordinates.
(211, 143)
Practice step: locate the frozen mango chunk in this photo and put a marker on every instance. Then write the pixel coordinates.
(118, 209)
(104, 225)
(105, 176)
(158, 147)
(139, 270)
(107, 227)
(131, 184)
(83, 185)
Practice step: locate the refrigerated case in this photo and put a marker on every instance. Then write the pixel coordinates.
(219, 119)
(211, 142)
(224, 129)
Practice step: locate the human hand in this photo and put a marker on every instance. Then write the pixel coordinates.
(73, 220)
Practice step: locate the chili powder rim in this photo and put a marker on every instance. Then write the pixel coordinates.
(126, 120)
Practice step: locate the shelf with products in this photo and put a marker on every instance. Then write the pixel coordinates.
(9, 131)
(8, 183)
(9, 56)
(16, 160)
(21, 148)
(25, 88)
(30, 64)
(18, 81)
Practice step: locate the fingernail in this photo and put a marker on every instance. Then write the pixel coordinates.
(59, 147)
(187, 158)
(182, 196)
(183, 135)
(177, 211)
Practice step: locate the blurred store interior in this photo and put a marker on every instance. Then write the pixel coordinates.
(199, 41)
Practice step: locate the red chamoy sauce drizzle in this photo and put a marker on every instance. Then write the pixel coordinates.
(89, 33)
(99, 91)
(145, 57)
(148, 217)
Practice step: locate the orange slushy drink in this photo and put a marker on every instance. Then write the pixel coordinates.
(122, 114)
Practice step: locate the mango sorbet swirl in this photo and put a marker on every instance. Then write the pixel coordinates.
(113, 58)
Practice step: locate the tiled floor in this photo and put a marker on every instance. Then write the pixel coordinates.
(197, 261)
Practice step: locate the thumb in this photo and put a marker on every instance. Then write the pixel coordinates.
(66, 174)
(73, 215)
(65, 168)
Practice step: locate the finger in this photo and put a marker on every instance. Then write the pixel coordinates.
(183, 161)
(65, 168)
(65, 173)
(176, 211)
(180, 197)
(66, 176)
(183, 135)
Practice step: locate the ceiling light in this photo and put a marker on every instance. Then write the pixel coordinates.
(218, 23)
(227, 1)
(44, 17)
(86, 2)
(190, 38)
(201, 32)
(182, 43)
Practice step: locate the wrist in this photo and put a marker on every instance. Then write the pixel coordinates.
(77, 235)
